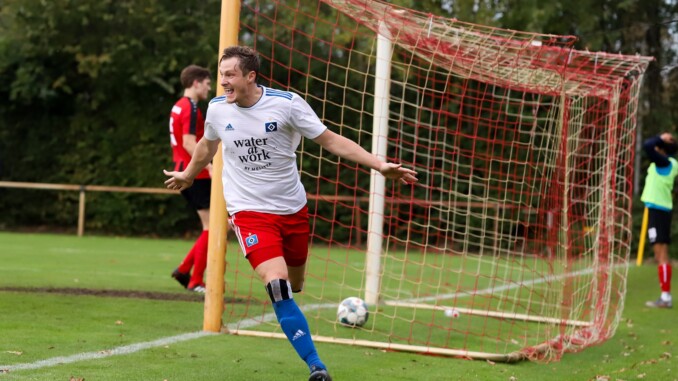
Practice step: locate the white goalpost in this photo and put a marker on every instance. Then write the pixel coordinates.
(380, 122)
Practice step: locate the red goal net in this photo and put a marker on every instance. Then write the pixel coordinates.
(516, 241)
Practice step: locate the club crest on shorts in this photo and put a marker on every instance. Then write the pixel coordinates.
(251, 240)
(271, 126)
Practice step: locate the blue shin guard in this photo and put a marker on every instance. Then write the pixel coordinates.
(293, 322)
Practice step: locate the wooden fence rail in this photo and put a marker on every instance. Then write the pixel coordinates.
(83, 189)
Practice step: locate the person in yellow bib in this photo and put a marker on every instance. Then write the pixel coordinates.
(657, 196)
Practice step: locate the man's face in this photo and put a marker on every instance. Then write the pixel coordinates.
(233, 80)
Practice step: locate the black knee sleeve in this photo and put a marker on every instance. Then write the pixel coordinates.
(279, 289)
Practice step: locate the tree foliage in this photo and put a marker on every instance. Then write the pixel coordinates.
(88, 86)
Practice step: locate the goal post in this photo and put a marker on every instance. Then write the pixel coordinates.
(218, 226)
(375, 232)
(521, 220)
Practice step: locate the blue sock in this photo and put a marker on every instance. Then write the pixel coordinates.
(294, 324)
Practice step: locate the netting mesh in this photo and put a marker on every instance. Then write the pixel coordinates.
(524, 148)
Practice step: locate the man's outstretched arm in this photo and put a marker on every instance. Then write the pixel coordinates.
(202, 155)
(348, 149)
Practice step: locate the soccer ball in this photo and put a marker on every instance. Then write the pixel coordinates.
(452, 313)
(352, 312)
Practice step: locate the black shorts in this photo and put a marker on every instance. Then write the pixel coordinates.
(659, 226)
(198, 195)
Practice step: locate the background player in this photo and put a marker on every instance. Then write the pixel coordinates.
(657, 196)
(186, 130)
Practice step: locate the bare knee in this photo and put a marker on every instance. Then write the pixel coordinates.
(274, 268)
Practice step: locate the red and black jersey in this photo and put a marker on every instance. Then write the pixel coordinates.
(185, 118)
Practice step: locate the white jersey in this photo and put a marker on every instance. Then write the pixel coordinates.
(259, 142)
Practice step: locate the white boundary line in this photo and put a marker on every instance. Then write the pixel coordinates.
(492, 290)
(105, 353)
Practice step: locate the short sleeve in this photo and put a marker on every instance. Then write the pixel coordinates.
(304, 119)
(210, 133)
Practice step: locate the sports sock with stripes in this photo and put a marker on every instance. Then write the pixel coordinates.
(293, 322)
(664, 272)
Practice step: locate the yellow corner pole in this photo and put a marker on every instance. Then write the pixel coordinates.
(641, 244)
(216, 249)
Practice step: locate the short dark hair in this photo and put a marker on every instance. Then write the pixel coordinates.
(192, 73)
(248, 57)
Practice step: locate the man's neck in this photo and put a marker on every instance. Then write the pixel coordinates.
(253, 96)
(188, 93)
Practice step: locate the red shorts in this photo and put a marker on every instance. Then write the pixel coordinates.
(263, 236)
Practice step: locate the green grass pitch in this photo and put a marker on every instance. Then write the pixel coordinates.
(103, 308)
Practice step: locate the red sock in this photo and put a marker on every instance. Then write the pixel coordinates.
(664, 272)
(199, 252)
(187, 263)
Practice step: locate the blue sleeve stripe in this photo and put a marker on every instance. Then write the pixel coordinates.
(278, 93)
(218, 99)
